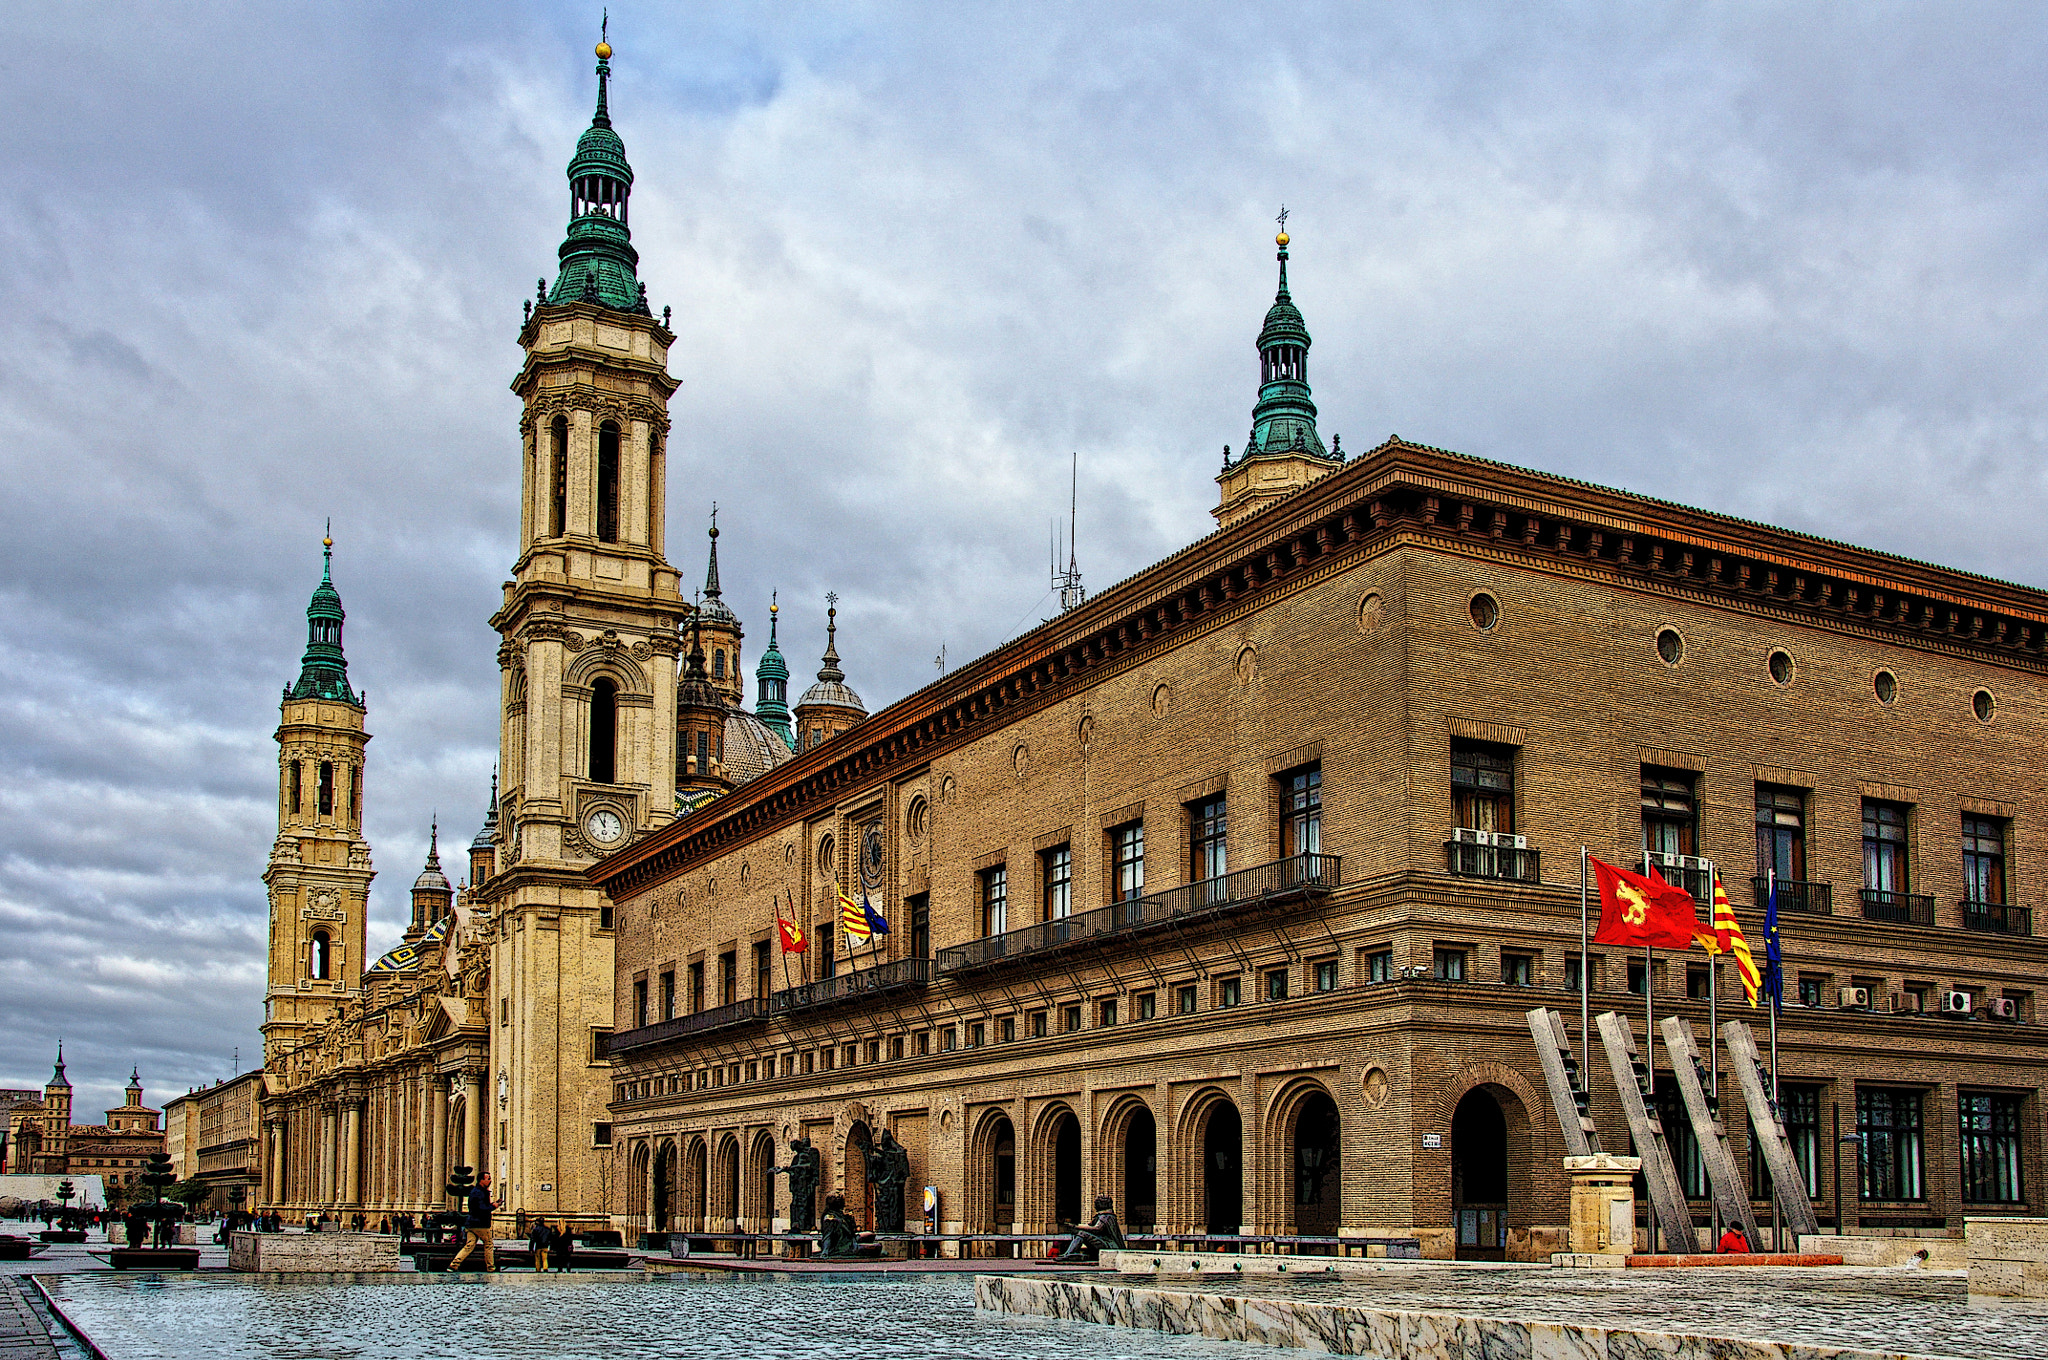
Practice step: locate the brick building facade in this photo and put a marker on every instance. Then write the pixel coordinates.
(1224, 894)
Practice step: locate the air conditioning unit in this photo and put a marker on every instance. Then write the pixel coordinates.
(2004, 1008)
(1908, 1003)
(1465, 835)
(1853, 998)
(1957, 1003)
(1687, 863)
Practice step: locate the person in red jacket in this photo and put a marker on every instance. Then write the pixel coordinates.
(1733, 1241)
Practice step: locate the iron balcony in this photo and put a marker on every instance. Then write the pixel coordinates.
(1796, 894)
(1997, 918)
(1509, 863)
(683, 1026)
(854, 985)
(1296, 878)
(1903, 909)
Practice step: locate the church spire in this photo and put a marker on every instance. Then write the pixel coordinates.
(830, 671)
(597, 256)
(1284, 419)
(323, 671)
(711, 575)
(772, 707)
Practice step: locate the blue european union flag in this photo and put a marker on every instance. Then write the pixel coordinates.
(1774, 969)
(876, 921)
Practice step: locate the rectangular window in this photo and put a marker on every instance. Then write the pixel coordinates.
(1008, 1029)
(668, 995)
(1276, 985)
(1325, 973)
(754, 1071)
(600, 1135)
(1991, 1148)
(977, 1035)
(1127, 862)
(696, 987)
(639, 1002)
(604, 917)
(1040, 1024)
(599, 1038)
(1679, 1137)
(995, 900)
(1147, 1004)
(298, 770)
(1518, 970)
(1449, 965)
(1887, 866)
(1229, 992)
(1379, 965)
(895, 1047)
(949, 1039)
(728, 977)
(1105, 1012)
(1573, 968)
(1983, 859)
(1670, 818)
(810, 1062)
(1698, 981)
(1813, 987)
(1056, 867)
(828, 957)
(1799, 1111)
(1301, 812)
(764, 972)
(1483, 786)
(1639, 978)
(1780, 832)
(1888, 1121)
(326, 788)
(1070, 1019)
(1184, 1000)
(924, 1042)
(919, 909)
(850, 1054)
(1208, 821)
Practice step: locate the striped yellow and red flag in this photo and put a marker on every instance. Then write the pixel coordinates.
(1726, 937)
(853, 922)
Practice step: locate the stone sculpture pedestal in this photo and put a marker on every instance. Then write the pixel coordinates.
(1603, 1205)
(312, 1252)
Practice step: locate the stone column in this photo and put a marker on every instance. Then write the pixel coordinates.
(474, 1108)
(437, 1139)
(352, 1150)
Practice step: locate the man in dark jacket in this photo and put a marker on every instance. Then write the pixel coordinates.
(477, 1217)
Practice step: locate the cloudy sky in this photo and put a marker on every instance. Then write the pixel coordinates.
(264, 264)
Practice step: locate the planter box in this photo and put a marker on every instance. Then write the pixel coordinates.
(155, 1258)
(316, 1253)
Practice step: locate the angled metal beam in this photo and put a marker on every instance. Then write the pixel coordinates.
(1667, 1199)
(1709, 1133)
(1768, 1127)
(1561, 1075)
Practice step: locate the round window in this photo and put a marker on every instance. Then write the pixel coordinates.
(828, 862)
(1670, 646)
(1781, 666)
(1982, 704)
(1485, 612)
(1887, 686)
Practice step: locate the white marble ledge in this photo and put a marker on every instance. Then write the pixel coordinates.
(1343, 1329)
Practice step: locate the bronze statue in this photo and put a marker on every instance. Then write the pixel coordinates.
(803, 1170)
(838, 1234)
(1104, 1233)
(889, 1174)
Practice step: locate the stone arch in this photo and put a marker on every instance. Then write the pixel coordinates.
(1128, 1163)
(636, 1183)
(1301, 1180)
(854, 1175)
(991, 1179)
(1507, 1132)
(695, 1184)
(661, 1213)
(757, 1183)
(1050, 1179)
(615, 663)
(725, 1183)
(1202, 1192)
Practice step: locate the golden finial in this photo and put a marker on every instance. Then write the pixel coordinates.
(604, 51)
(1281, 239)
(328, 541)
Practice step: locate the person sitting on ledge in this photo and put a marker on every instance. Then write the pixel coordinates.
(1104, 1233)
(1733, 1241)
(839, 1235)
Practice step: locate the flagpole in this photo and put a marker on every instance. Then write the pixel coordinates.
(1650, 1000)
(1585, 982)
(1714, 1017)
(1777, 993)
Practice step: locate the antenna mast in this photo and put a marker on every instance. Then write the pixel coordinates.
(1068, 582)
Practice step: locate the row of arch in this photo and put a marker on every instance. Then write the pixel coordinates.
(1201, 1175)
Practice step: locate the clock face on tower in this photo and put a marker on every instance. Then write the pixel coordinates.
(604, 827)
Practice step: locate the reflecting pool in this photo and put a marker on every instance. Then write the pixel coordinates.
(583, 1318)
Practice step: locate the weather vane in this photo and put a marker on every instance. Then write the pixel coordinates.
(604, 28)
(832, 599)
(1282, 219)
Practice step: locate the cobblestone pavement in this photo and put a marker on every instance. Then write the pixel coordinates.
(22, 1333)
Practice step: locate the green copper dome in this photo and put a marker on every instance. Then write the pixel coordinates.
(323, 671)
(598, 259)
(772, 674)
(1284, 420)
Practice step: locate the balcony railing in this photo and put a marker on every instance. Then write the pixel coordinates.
(1795, 894)
(854, 985)
(1903, 909)
(1498, 858)
(682, 1026)
(1997, 918)
(1690, 872)
(1297, 877)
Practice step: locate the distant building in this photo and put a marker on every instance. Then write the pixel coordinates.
(211, 1135)
(42, 1140)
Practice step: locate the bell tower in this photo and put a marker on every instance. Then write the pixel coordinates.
(319, 872)
(588, 647)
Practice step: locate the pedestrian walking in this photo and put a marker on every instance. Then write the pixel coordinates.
(477, 1218)
(538, 1240)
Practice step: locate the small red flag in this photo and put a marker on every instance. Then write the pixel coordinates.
(1643, 911)
(793, 941)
